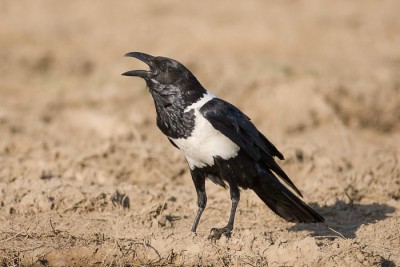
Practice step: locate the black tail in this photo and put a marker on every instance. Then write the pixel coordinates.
(283, 202)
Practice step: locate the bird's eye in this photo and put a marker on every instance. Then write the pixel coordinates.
(163, 65)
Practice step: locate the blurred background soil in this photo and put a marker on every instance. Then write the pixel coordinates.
(86, 178)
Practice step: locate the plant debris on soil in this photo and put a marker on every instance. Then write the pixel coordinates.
(87, 179)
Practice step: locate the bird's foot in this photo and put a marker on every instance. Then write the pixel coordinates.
(216, 233)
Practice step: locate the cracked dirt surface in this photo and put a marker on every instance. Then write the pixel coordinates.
(322, 83)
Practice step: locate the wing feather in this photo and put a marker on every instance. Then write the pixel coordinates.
(234, 124)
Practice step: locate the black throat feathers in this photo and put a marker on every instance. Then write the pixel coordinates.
(171, 101)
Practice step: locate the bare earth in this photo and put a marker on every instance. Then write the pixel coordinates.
(320, 79)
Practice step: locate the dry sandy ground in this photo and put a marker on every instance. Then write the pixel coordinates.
(320, 79)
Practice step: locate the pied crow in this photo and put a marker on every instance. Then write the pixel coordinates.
(219, 142)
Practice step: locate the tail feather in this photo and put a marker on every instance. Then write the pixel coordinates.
(283, 202)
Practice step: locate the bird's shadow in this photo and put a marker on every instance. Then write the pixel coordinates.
(345, 218)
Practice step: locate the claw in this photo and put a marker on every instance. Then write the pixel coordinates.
(216, 233)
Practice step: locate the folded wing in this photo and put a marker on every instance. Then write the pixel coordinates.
(234, 124)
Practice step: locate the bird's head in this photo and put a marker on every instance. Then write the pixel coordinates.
(164, 71)
(170, 83)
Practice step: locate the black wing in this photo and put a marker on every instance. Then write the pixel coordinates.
(230, 121)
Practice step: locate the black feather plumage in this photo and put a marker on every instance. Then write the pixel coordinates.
(219, 143)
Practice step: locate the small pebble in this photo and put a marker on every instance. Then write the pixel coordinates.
(360, 257)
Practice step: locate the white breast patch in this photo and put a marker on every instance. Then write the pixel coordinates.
(205, 142)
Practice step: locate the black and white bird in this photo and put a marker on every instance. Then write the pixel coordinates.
(219, 143)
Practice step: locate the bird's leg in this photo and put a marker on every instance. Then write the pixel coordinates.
(199, 183)
(216, 233)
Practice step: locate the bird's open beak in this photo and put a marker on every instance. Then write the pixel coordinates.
(148, 59)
